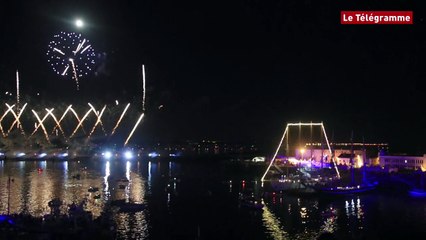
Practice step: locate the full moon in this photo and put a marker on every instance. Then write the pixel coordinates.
(79, 23)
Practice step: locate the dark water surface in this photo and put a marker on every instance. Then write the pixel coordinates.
(199, 200)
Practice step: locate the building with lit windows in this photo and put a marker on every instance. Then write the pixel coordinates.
(362, 153)
(403, 162)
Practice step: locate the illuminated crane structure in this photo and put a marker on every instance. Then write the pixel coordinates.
(286, 135)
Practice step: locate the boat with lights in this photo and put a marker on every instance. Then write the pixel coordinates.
(127, 206)
(347, 189)
(320, 174)
(417, 193)
(250, 202)
(349, 185)
(420, 191)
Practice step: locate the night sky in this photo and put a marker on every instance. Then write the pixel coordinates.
(234, 70)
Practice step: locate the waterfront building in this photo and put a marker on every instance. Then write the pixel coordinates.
(403, 162)
(366, 152)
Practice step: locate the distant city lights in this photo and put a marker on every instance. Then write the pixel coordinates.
(107, 155)
(128, 155)
(153, 154)
(20, 154)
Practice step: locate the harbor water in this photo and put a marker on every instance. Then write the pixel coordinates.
(199, 200)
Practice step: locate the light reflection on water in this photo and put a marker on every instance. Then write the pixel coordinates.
(291, 217)
(272, 224)
(183, 204)
(35, 183)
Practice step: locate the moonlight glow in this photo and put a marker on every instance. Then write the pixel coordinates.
(79, 23)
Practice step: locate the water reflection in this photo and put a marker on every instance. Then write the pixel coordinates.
(272, 224)
(297, 218)
(354, 210)
(35, 183)
(329, 225)
(360, 212)
(149, 176)
(181, 201)
(107, 174)
(128, 170)
(303, 214)
(132, 225)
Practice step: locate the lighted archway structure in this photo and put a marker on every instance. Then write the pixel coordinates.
(285, 134)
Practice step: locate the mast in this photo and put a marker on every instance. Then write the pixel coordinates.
(322, 150)
(312, 146)
(364, 167)
(8, 196)
(287, 151)
(351, 161)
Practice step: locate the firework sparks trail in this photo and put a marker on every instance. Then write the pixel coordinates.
(143, 88)
(2, 131)
(17, 117)
(119, 120)
(81, 122)
(50, 112)
(62, 117)
(80, 45)
(19, 125)
(37, 126)
(65, 71)
(134, 128)
(75, 73)
(64, 61)
(59, 51)
(85, 48)
(97, 121)
(17, 89)
(97, 115)
(4, 115)
(78, 119)
(41, 124)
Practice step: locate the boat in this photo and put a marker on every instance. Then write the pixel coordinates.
(93, 189)
(250, 202)
(77, 176)
(132, 207)
(329, 212)
(54, 206)
(76, 209)
(123, 180)
(56, 202)
(286, 183)
(124, 206)
(347, 189)
(6, 220)
(417, 193)
(340, 187)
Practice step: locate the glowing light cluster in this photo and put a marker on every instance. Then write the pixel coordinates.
(71, 54)
(300, 124)
(49, 114)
